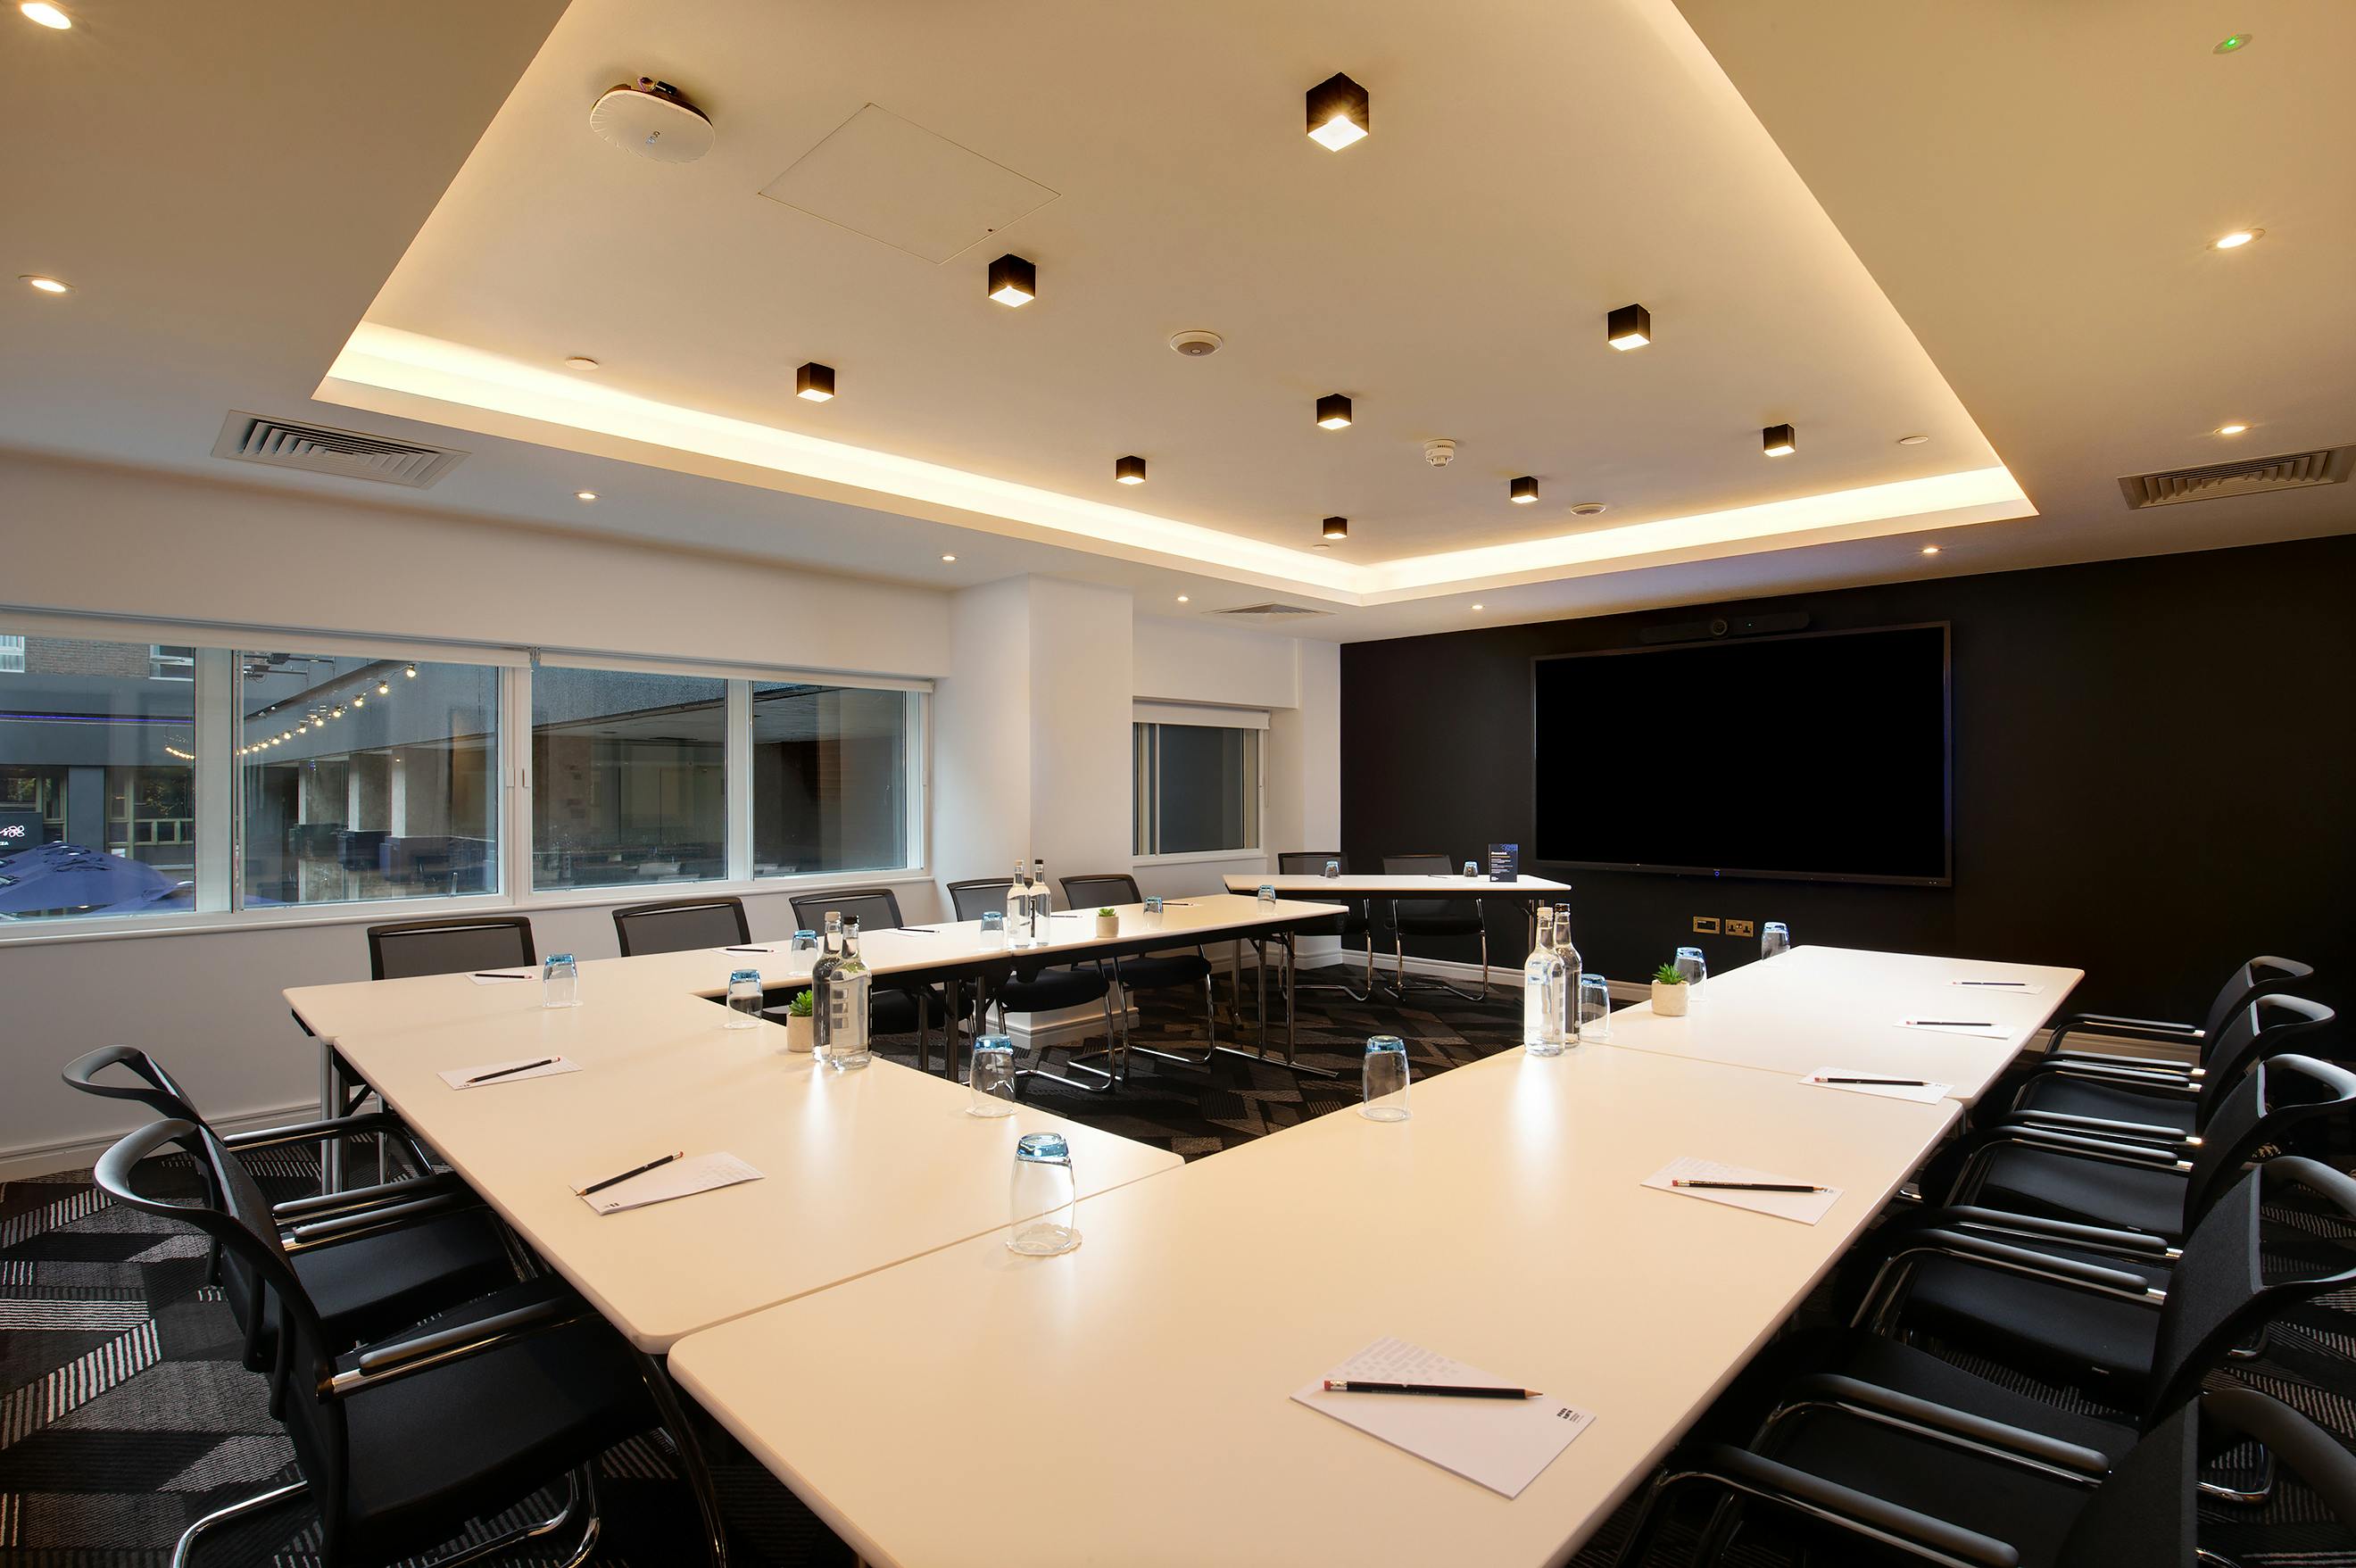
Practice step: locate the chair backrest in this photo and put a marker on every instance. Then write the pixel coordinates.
(2259, 977)
(1097, 889)
(978, 895)
(156, 1088)
(2266, 1026)
(2221, 1290)
(1309, 862)
(2266, 1112)
(875, 909)
(1425, 865)
(676, 925)
(450, 946)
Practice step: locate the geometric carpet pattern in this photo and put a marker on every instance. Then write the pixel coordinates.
(127, 1411)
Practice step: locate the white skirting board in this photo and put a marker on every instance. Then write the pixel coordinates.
(32, 1160)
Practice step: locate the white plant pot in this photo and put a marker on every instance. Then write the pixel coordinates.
(801, 1033)
(1669, 1001)
(1108, 925)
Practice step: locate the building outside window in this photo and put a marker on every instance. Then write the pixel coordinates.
(365, 779)
(629, 778)
(833, 778)
(1198, 788)
(97, 781)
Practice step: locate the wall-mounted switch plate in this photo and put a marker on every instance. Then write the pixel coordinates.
(1706, 924)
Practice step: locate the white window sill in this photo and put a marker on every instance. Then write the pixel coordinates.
(1197, 857)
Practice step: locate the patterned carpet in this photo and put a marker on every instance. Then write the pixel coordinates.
(126, 1413)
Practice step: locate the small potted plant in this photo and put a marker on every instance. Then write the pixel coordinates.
(1669, 993)
(1107, 923)
(801, 1026)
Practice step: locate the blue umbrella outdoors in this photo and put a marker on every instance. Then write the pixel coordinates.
(80, 879)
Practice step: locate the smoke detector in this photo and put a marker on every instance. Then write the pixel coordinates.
(1195, 343)
(1587, 508)
(652, 119)
(1440, 453)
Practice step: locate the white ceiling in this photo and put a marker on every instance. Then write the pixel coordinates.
(2033, 198)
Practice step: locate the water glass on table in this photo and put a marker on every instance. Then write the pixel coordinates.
(1043, 1198)
(990, 1080)
(1594, 1007)
(805, 942)
(744, 998)
(1386, 1079)
(560, 981)
(1696, 970)
(1472, 868)
(1774, 937)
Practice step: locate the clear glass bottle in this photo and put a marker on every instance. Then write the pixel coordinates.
(844, 1002)
(1542, 991)
(1042, 901)
(560, 981)
(1018, 910)
(829, 958)
(1567, 951)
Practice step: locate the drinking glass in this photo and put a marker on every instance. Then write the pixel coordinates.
(744, 998)
(991, 1080)
(1332, 869)
(1267, 892)
(993, 922)
(1042, 1197)
(1691, 965)
(560, 981)
(1386, 1079)
(805, 942)
(1774, 937)
(1594, 1008)
(1472, 868)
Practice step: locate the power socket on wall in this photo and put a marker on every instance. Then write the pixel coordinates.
(1706, 925)
(1738, 927)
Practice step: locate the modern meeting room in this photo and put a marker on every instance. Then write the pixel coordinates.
(946, 786)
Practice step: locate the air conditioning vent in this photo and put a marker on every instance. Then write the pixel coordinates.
(346, 453)
(1270, 611)
(2291, 471)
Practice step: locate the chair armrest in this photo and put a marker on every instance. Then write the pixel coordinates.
(383, 1363)
(1860, 1513)
(391, 1217)
(2158, 1083)
(2162, 1067)
(1940, 1424)
(2129, 1131)
(1971, 1248)
(362, 1126)
(2104, 1149)
(324, 1205)
(2110, 1024)
(2100, 1237)
(2313, 1454)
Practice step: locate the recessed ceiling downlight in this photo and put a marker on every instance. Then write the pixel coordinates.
(46, 284)
(2233, 428)
(2231, 43)
(2238, 238)
(47, 15)
(652, 119)
(580, 362)
(1912, 440)
(1587, 509)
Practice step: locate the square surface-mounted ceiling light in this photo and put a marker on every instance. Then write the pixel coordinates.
(1334, 412)
(1630, 326)
(1339, 113)
(1337, 527)
(814, 381)
(1778, 441)
(1128, 470)
(1524, 490)
(1014, 281)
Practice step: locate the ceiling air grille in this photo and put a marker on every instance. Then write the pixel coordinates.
(319, 449)
(1272, 610)
(2291, 471)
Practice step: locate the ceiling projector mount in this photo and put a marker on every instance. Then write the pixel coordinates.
(652, 119)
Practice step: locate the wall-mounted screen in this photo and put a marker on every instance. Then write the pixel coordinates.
(1822, 757)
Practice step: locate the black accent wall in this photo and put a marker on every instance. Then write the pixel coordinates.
(2155, 775)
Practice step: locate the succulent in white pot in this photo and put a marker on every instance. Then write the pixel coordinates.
(801, 1021)
(1669, 992)
(1107, 923)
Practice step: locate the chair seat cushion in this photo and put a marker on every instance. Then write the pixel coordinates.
(2100, 1344)
(1051, 989)
(1161, 971)
(376, 1285)
(2039, 1181)
(893, 1011)
(477, 1436)
(2068, 1096)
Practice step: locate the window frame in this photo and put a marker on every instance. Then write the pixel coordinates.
(1145, 772)
(220, 824)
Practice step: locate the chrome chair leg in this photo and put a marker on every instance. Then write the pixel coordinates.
(580, 1495)
(256, 1504)
(675, 1420)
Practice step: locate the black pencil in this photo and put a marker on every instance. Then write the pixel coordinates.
(1452, 1391)
(519, 1067)
(611, 1180)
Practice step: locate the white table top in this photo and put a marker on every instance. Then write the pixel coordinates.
(1128, 1402)
(1352, 885)
(1816, 1007)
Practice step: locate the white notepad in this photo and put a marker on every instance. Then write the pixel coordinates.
(2013, 987)
(503, 976)
(457, 1077)
(1928, 1094)
(1808, 1208)
(1985, 1032)
(1502, 1444)
(680, 1179)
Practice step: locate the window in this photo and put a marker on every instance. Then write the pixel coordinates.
(171, 661)
(629, 778)
(833, 778)
(97, 782)
(1197, 788)
(363, 779)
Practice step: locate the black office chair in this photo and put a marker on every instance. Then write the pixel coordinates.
(893, 1007)
(408, 1444)
(1876, 1477)
(1034, 990)
(2143, 1182)
(1434, 918)
(1358, 923)
(452, 945)
(680, 925)
(374, 1259)
(1146, 972)
(2262, 976)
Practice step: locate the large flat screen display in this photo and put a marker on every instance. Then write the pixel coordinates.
(1821, 756)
